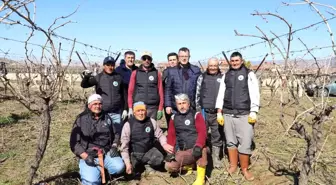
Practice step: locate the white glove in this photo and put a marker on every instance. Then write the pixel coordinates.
(86, 72)
(124, 115)
(252, 118)
(130, 112)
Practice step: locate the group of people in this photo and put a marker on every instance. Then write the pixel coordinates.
(120, 120)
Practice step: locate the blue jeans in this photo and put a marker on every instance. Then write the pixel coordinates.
(116, 121)
(91, 175)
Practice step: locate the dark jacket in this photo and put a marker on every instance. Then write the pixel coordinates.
(176, 84)
(111, 88)
(125, 72)
(88, 132)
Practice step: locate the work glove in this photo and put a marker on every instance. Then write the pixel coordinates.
(90, 161)
(220, 118)
(87, 73)
(124, 115)
(114, 152)
(159, 115)
(252, 118)
(197, 152)
(170, 157)
(130, 112)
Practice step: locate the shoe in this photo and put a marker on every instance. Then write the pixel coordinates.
(200, 179)
(233, 158)
(149, 170)
(188, 169)
(244, 163)
(215, 157)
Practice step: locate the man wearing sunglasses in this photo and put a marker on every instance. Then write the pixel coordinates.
(238, 98)
(109, 85)
(146, 86)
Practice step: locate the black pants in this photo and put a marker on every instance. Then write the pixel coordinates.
(153, 157)
(152, 111)
(216, 130)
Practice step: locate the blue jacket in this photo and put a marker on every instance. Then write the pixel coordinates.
(176, 84)
(125, 72)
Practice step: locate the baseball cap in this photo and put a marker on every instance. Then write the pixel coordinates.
(146, 53)
(109, 60)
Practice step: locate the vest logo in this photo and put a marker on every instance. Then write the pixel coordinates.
(147, 129)
(151, 78)
(240, 77)
(219, 80)
(115, 83)
(187, 122)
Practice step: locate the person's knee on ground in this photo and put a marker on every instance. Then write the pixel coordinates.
(114, 165)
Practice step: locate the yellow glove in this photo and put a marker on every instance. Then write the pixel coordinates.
(220, 119)
(252, 118)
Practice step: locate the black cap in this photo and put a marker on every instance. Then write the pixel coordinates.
(109, 60)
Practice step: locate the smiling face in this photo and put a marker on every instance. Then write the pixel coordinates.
(213, 66)
(129, 60)
(140, 114)
(236, 62)
(95, 106)
(172, 61)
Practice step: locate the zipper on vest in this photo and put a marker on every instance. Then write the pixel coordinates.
(233, 91)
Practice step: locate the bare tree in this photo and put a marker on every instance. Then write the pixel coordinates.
(47, 72)
(301, 165)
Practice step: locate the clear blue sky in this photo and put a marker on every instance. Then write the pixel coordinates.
(206, 27)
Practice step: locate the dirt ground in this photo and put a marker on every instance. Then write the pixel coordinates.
(19, 130)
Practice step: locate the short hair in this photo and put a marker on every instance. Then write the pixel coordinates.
(172, 54)
(236, 54)
(182, 97)
(129, 53)
(185, 49)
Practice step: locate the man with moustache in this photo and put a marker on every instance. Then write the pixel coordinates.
(94, 129)
(206, 94)
(172, 61)
(137, 141)
(187, 130)
(125, 69)
(109, 85)
(181, 79)
(146, 86)
(238, 98)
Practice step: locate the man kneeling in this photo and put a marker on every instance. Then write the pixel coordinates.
(189, 129)
(137, 141)
(93, 133)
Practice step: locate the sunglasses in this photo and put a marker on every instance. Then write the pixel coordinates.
(147, 58)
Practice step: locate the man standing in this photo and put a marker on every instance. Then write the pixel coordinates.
(109, 85)
(238, 98)
(172, 62)
(138, 137)
(187, 129)
(181, 79)
(92, 131)
(206, 94)
(146, 86)
(125, 70)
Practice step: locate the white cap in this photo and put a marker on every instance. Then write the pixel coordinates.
(95, 97)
